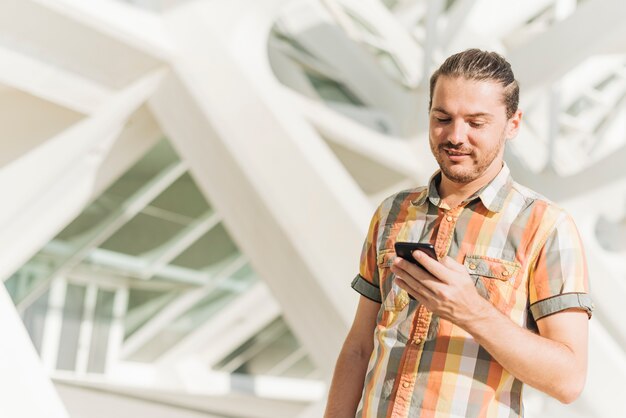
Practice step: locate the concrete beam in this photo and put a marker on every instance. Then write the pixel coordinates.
(48, 187)
(105, 41)
(192, 388)
(264, 169)
(595, 27)
(51, 83)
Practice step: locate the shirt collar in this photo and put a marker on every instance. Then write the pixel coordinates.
(492, 195)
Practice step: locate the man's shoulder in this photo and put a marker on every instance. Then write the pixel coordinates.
(402, 195)
(529, 194)
(400, 200)
(534, 200)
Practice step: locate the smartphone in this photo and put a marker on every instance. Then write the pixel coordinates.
(405, 250)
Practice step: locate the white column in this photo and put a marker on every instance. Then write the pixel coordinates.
(264, 169)
(24, 384)
(53, 322)
(116, 334)
(86, 329)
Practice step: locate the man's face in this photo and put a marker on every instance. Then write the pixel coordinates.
(468, 127)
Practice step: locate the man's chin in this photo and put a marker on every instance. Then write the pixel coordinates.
(458, 174)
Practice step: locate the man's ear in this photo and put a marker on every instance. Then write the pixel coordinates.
(513, 124)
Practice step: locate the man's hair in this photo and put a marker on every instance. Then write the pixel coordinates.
(474, 64)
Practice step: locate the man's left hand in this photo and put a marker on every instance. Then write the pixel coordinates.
(444, 288)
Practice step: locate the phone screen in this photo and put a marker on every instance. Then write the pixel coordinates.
(405, 250)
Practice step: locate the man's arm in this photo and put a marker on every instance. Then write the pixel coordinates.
(347, 385)
(555, 361)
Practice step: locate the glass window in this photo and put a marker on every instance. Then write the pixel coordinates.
(142, 235)
(236, 358)
(224, 292)
(212, 251)
(34, 318)
(271, 355)
(579, 106)
(607, 83)
(332, 91)
(143, 305)
(85, 225)
(34, 272)
(268, 350)
(156, 160)
(302, 369)
(182, 198)
(70, 328)
(103, 316)
(174, 332)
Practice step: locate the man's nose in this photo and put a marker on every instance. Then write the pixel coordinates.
(457, 133)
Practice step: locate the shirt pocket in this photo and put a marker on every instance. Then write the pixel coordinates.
(394, 298)
(497, 280)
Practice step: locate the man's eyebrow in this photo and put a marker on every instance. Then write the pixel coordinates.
(480, 114)
(472, 115)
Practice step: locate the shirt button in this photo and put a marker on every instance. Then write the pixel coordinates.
(406, 384)
(472, 266)
(449, 218)
(505, 273)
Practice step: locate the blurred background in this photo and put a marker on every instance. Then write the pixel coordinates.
(186, 186)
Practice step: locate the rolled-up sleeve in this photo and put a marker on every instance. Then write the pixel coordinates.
(367, 282)
(559, 279)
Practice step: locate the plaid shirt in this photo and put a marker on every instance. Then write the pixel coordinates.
(524, 255)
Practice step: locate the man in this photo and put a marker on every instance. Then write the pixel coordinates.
(506, 303)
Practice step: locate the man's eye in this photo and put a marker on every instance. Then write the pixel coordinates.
(476, 124)
(443, 120)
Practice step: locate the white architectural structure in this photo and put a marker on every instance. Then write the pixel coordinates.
(186, 186)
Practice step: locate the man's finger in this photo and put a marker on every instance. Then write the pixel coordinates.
(434, 267)
(408, 268)
(414, 274)
(415, 288)
(452, 264)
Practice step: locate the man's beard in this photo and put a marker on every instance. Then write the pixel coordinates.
(467, 174)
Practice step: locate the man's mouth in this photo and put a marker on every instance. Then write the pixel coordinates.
(455, 153)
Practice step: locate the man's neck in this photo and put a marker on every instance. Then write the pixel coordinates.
(452, 194)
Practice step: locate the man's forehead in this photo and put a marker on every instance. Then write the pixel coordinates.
(475, 97)
(461, 79)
